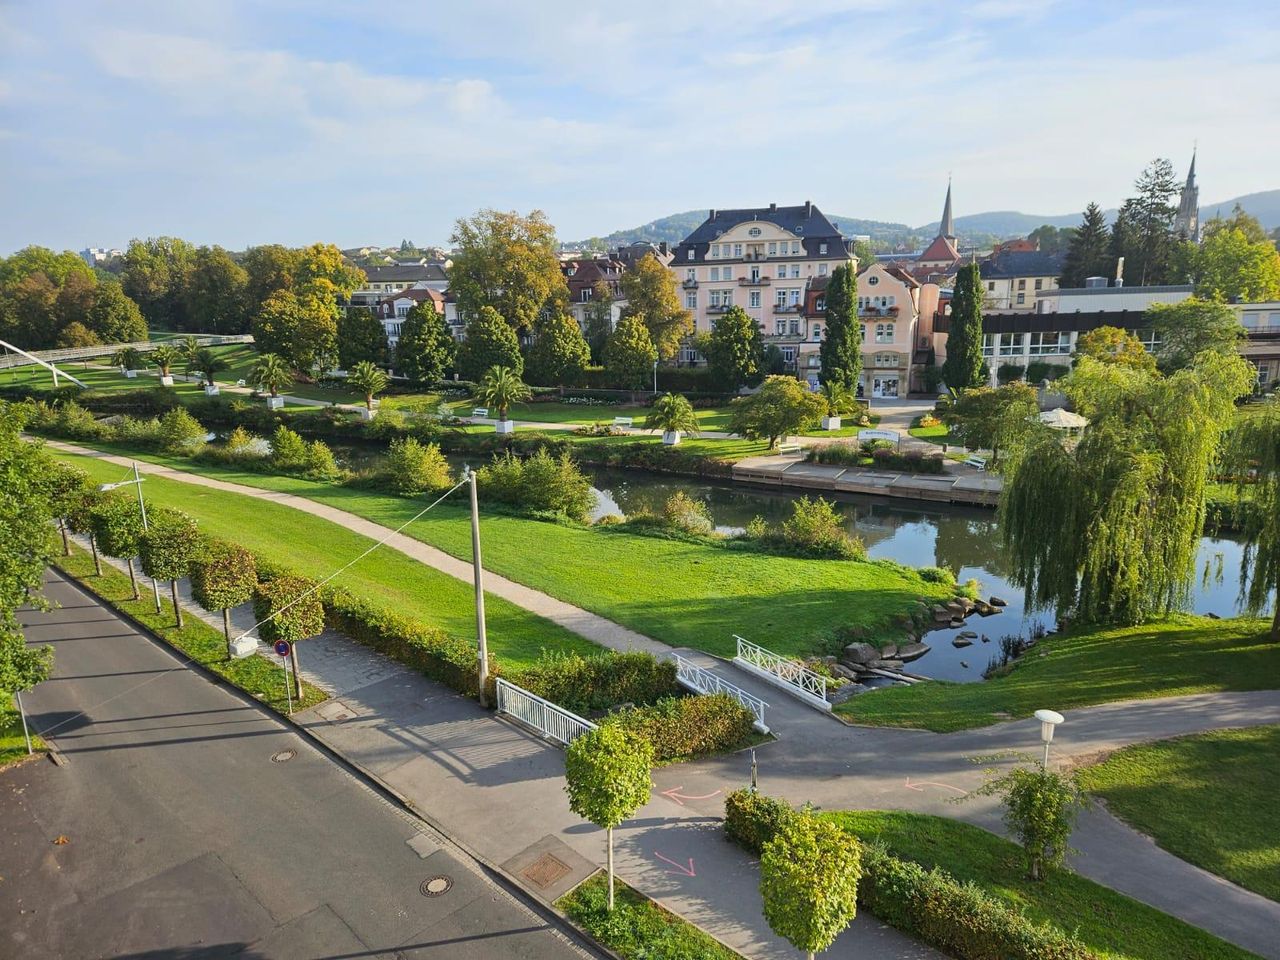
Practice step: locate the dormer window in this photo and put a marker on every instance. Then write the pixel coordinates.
(753, 232)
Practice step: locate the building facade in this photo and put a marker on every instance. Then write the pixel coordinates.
(381, 282)
(1261, 322)
(1013, 279)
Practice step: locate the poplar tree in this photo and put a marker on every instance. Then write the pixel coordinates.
(841, 350)
(964, 366)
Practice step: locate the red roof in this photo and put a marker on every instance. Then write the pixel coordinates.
(941, 249)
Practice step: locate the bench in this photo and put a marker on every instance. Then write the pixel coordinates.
(979, 462)
(784, 448)
(622, 421)
(480, 412)
(239, 383)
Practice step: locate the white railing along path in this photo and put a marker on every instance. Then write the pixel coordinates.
(553, 722)
(702, 680)
(791, 675)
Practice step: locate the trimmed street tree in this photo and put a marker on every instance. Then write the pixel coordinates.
(964, 366)
(1089, 253)
(289, 608)
(490, 342)
(1040, 808)
(672, 414)
(223, 575)
(167, 549)
(652, 295)
(68, 487)
(271, 373)
(629, 354)
(782, 406)
(509, 263)
(606, 774)
(735, 350)
(559, 354)
(1253, 455)
(425, 348)
(117, 528)
(500, 388)
(361, 336)
(21, 668)
(1189, 328)
(809, 876)
(841, 349)
(369, 380)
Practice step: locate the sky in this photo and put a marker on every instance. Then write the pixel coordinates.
(359, 123)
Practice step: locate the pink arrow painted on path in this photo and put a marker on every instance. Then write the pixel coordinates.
(919, 786)
(687, 871)
(675, 795)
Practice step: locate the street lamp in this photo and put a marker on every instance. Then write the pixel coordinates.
(1048, 720)
(142, 507)
(655, 376)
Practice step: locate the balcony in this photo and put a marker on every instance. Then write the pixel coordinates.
(690, 284)
(788, 307)
(878, 312)
(719, 307)
(753, 255)
(754, 281)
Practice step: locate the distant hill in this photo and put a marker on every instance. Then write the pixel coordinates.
(677, 226)
(1003, 223)
(1265, 206)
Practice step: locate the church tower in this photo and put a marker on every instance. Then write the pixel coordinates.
(1187, 223)
(948, 227)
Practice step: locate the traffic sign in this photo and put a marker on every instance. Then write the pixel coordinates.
(282, 648)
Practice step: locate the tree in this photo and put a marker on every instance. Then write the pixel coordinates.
(864, 253)
(223, 575)
(1089, 252)
(21, 668)
(155, 275)
(270, 269)
(31, 482)
(55, 267)
(271, 373)
(361, 336)
(735, 350)
(598, 319)
(127, 358)
(1051, 239)
(629, 354)
(117, 529)
(1040, 809)
(509, 263)
(76, 334)
(167, 548)
(841, 349)
(324, 274)
(1106, 530)
(490, 342)
(180, 433)
(68, 488)
(114, 317)
(987, 418)
(413, 467)
(559, 354)
(499, 388)
(302, 331)
(1191, 327)
(809, 876)
(369, 380)
(1143, 231)
(672, 413)
(606, 774)
(964, 366)
(1234, 263)
(651, 294)
(190, 348)
(164, 357)
(1116, 346)
(1253, 457)
(216, 293)
(425, 348)
(209, 363)
(782, 406)
(288, 608)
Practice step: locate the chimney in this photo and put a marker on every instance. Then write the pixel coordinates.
(1120, 272)
(808, 208)
(713, 214)
(663, 248)
(773, 208)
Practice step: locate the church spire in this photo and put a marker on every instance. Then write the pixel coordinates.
(948, 227)
(1187, 223)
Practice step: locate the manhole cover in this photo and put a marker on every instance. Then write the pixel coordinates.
(545, 871)
(435, 886)
(284, 756)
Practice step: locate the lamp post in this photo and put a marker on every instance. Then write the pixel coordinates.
(655, 376)
(1048, 720)
(142, 507)
(482, 675)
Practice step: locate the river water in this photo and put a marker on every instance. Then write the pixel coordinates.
(965, 540)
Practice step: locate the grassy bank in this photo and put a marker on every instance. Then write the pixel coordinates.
(638, 929)
(197, 640)
(13, 745)
(1181, 655)
(1206, 799)
(315, 548)
(684, 594)
(1108, 922)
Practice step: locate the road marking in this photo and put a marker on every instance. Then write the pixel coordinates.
(919, 786)
(687, 871)
(675, 795)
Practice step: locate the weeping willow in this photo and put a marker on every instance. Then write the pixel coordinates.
(1253, 456)
(1106, 530)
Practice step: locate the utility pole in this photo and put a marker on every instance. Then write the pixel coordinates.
(142, 506)
(482, 674)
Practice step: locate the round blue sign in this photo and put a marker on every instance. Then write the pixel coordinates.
(282, 648)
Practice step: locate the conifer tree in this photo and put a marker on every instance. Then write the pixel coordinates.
(490, 342)
(1089, 254)
(841, 350)
(964, 366)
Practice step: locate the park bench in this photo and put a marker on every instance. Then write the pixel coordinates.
(622, 421)
(480, 412)
(785, 448)
(979, 462)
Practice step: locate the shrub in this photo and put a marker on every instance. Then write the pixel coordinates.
(538, 482)
(684, 727)
(1038, 370)
(76, 423)
(243, 445)
(142, 433)
(320, 463)
(752, 819)
(1009, 372)
(287, 610)
(928, 420)
(816, 528)
(912, 461)
(584, 684)
(413, 467)
(288, 450)
(685, 513)
(838, 454)
(180, 432)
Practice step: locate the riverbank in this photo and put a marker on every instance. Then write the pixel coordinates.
(965, 484)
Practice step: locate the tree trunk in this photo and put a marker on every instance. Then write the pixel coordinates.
(133, 579)
(97, 561)
(226, 627)
(297, 674)
(1035, 868)
(66, 543)
(1275, 620)
(609, 842)
(177, 607)
(17, 695)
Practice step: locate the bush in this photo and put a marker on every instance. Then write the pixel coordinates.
(243, 445)
(76, 423)
(142, 433)
(1038, 370)
(320, 463)
(912, 461)
(838, 454)
(287, 610)
(1009, 372)
(816, 528)
(288, 450)
(539, 483)
(585, 684)
(180, 433)
(684, 727)
(685, 513)
(143, 402)
(412, 467)
(751, 819)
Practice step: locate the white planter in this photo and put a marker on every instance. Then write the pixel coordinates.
(210, 391)
(505, 426)
(275, 403)
(166, 380)
(670, 438)
(243, 647)
(830, 423)
(367, 414)
(131, 374)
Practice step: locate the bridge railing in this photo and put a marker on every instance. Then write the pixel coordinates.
(555, 723)
(791, 675)
(701, 680)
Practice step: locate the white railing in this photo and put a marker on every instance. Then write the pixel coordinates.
(108, 349)
(791, 675)
(701, 680)
(554, 723)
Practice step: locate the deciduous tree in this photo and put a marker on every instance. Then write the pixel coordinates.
(114, 317)
(598, 319)
(361, 336)
(155, 275)
(490, 342)
(782, 406)
(651, 294)
(841, 349)
(216, 293)
(117, 529)
(629, 354)
(988, 418)
(507, 262)
(559, 354)
(223, 575)
(302, 331)
(1236, 261)
(1040, 809)
(288, 608)
(425, 348)
(1116, 346)
(167, 548)
(1254, 459)
(735, 350)
(1191, 327)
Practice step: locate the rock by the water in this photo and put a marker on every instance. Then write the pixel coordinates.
(888, 651)
(840, 670)
(968, 634)
(997, 602)
(985, 638)
(846, 692)
(861, 652)
(962, 642)
(912, 651)
(956, 608)
(886, 664)
(965, 664)
(956, 623)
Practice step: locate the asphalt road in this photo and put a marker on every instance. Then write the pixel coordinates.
(186, 839)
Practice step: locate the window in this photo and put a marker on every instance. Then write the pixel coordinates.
(820, 304)
(1022, 298)
(773, 249)
(737, 249)
(788, 354)
(884, 332)
(1050, 343)
(715, 298)
(691, 274)
(988, 344)
(690, 254)
(691, 301)
(402, 310)
(886, 359)
(782, 271)
(795, 271)
(715, 273)
(822, 248)
(795, 326)
(1022, 284)
(586, 294)
(795, 247)
(872, 280)
(991, 285)
(793, 297)
(754, 299)
(1007, 344)
(393, 329)
(753, 232)
(822, 269)
(780, 327)
(1148, 339)
(779, 298)
(1039, 283)
(726, 298)
(817, 331)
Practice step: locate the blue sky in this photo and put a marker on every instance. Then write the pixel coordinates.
(239, 123)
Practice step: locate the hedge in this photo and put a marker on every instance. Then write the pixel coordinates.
(958, 918)
(585, 684)
(684, 727)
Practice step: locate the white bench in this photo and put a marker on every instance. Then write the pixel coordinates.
(239, 383)
(784, 448)
(480, 412)
(979, 462)
(623, 421)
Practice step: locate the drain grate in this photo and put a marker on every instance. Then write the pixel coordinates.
(435, 886)
(284, 756)
(545, 871)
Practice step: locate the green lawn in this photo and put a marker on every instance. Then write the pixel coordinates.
(95, 378)
(1109, 923)
(13, 745)
(684, 594)
(256, 675)
(315, 548)
(1205, 799)
(712, 418)
(1181, 655)
(638, 928)
(940, 434)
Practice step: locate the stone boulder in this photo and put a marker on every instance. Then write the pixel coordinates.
(997, 602)
(962, 642)
(968, 634)
(888, 651)
(912, 651)
(840, 670)
(861, 653)
(886, 664)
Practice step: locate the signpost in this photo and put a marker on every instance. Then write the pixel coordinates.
(893, 436)
(283, 649)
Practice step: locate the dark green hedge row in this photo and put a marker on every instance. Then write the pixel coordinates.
(958, 918)
(587, 684)
(684, 727)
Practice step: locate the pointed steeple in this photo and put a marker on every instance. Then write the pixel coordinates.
(1191, 172)
(948, 227)
(1187, 222)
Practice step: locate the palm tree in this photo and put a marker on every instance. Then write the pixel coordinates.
(164, 357)
(499, 388)
(369, 380)
(673, 415)
(208, 363)
(190, 350)
(127, 358)
(271, 373)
